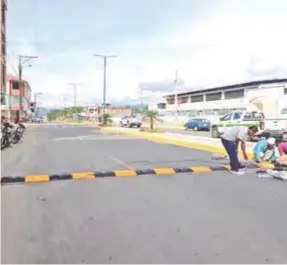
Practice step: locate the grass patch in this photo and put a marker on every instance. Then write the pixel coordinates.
(155, 130)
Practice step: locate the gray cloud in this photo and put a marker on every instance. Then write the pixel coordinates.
(160, 86)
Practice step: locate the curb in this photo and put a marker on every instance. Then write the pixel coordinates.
(116, 173)
(188, 144)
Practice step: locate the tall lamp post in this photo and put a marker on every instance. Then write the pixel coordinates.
(105, 57)
(36, 95)
(75, 86)
(22, 60)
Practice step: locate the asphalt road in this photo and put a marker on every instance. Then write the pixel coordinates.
(185, 218)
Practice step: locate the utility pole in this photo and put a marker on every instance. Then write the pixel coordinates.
(175, 91)
(36, 105)
(65, 100)
(22, 59)
(105, 57)
(74, 85)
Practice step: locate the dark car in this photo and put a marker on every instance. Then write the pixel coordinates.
(198, 125)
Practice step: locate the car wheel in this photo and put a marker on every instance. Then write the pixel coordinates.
(195, 128)
(185, 128)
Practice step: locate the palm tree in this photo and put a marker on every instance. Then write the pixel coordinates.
(151, 116)
(107, 118)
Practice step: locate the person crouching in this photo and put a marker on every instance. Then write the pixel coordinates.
(265, 150)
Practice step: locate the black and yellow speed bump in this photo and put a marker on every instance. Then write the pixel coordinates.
(120, 173)
(116, 173)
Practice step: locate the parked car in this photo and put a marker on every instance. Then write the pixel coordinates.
(130, 121)
(245, 118)
(198, 125)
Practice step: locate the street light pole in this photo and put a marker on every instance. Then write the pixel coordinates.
(105, 57)
(22, 59)
(35, 102)
(74, 85)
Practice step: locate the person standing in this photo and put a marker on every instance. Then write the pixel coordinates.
(230, 138)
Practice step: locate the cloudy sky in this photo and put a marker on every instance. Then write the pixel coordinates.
(209, 42)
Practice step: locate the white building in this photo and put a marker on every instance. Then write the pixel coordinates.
(268, 96)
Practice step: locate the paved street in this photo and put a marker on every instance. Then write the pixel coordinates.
(185, 218)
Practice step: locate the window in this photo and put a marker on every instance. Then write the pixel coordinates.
(237, 115)
(226, 117)
(213, 96)
(15, 85)
(182, 100)
(170, 101)
(253, 116)
(234, 94)
(161, 105)
(198, 98)
(285, 91)
(3, 99)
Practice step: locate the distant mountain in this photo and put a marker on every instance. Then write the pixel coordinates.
(43, 111)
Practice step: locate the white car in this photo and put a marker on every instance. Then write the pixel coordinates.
(130, 121)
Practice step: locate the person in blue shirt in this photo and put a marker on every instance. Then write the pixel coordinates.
(265, 150)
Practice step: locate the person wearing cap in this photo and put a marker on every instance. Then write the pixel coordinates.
(230, 138)
(265, 150)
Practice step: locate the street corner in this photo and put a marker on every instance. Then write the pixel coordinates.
(103, 174)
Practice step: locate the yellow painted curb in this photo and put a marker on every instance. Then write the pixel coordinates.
(188, 144)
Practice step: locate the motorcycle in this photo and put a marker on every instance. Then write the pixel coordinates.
(6, 135)
(17, 133)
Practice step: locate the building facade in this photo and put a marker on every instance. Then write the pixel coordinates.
(4, 105)
(268, 96)
(18, 93)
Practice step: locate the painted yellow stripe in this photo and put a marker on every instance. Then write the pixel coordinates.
(200, 169)
(164, 171)
(37, 178)
(125, 173)
(83, 175)
(265, 165)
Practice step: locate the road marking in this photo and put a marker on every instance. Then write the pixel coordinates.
(83, 175)
(125, 173)
(121, 162)
(117, 173)
(201, 169)
(164, 171)
(95, 138)
(37, 178)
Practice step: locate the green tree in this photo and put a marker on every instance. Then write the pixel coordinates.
(107, 119)
(151, 116)
(64, 113)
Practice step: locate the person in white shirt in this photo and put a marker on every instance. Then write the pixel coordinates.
(230, 138)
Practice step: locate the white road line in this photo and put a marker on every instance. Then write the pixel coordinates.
(121, 162)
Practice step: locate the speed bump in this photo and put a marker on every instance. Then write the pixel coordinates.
(117, 173)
